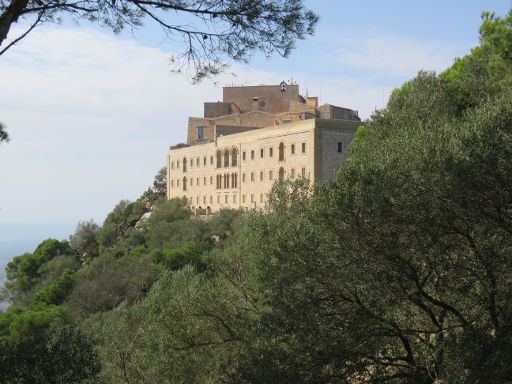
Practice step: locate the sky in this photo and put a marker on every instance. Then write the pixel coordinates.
(91, 114)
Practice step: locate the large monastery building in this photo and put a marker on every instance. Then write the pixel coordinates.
(253, 137)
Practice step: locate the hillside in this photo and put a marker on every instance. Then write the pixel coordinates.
(398, 271)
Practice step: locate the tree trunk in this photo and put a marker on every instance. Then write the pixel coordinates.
(9, 16)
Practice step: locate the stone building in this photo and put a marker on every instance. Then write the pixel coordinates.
(253, 137)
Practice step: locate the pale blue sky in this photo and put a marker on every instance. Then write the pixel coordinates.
(91, 114)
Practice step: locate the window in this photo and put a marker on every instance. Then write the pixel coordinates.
(204, 199)
(184, 164)
(184, 183)
(219, 159)
(234, 157)
(270, 175)
(281, 152)
(252, 198)
(281, 174)
(172, 165)
(178, 183)
(200, 133)
(339, 147)
(211, 199)
(243, 177)
(252, 155)
(211, 160)
(197, 200)
(292, 173)
(262, 152)
(292, 149)
(243, 155)
(233, 180)
(261, 197)
(303, 172)
(234, 199)
(252, 176)
(197, 162)
(226, 158)
(218, 199)
(303, 147)
(204, 180)
(204, 161)
(287, 121)
(261, 176)
(271, 152)
(197, 181)
(191, 182)
(172, 183)
(243, 199)
(178, 164)
(211, 180)
(226, 199)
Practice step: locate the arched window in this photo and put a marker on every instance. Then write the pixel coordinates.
(234, 157)
(281, 152)
(226, 158)
(219, 159)
(184, 164)
(184, 183)
(281, 174)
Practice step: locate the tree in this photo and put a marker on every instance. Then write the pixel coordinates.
(211, 30)
(84, 240)
(3, 133)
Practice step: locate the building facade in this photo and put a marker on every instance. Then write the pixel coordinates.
(254, 137)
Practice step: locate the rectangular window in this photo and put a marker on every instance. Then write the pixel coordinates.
(252, 176)
(243, 199)
(292, 173)
(204, 161)
(243, 177)
(218, 199)
(243, 155)
(204, 181)
(271, 152)
(303, 172)
(261, 197)
(211, 160)
(226, 199)
(204, 199)
(234, 199)
(339, 147)
(262, 153)
(292, 149)
(178, 182)
(200, 133)
(172, 165)
(178, 164)
(252, 155)
(261, 176)
(270, 175)
(172, 183)
(211, 180)
(252, 198)
(197, 181)
(211, 199)
(303, 147)
(197, 161)
(191, 182)
(197, 200)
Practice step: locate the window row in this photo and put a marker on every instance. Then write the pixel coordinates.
(230, 180)
(189, 163)
(226, 199)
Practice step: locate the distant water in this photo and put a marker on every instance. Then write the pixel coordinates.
(16, 239)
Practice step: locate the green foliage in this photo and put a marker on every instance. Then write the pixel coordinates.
(57, 290)
(84, 240)
(38, 345)
(25, 272)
